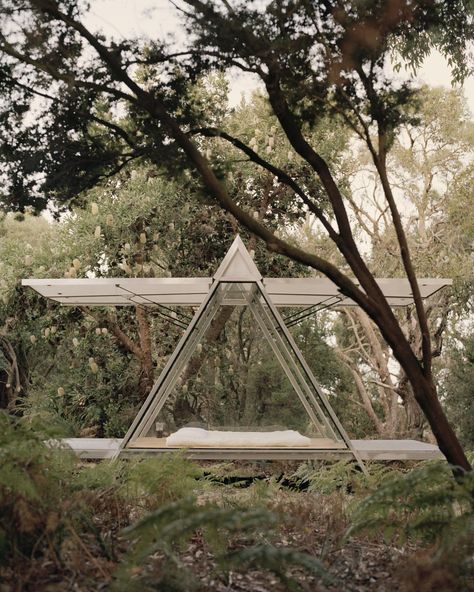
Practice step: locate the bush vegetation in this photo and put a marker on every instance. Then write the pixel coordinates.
(168, 524)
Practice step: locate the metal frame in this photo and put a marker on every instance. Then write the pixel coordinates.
(238, 270)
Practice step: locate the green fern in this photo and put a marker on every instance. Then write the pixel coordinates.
(428, 505)
(343, 475)
(423, 504)
(164, 479)
(33, 486)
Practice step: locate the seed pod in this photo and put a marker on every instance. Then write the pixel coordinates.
(171, 226)
(199, 348)
(252, 253)
(72, 272)
(94, 367)
(143, 238)
(126, 267)
(75, 341)
(94, 208)
(76, 263)
(47, 331)
(109, 220)
(54, 329)
(185, 388)
(104, 330)
(255, 215)
(290, 155)
(98, 331)
(97, 232)
(28, 260)
(208, 153)
(126, 247)
(33, 338)
(61, 391)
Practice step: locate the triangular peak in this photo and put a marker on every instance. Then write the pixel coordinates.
(237, 265)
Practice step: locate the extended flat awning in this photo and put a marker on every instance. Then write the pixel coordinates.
(153, 292)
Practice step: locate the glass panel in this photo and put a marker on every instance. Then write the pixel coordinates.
(237, 381)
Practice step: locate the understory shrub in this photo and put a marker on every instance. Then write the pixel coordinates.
(34, 485)
(426, 505)
(345, 475)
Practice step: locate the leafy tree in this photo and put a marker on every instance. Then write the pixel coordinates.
(457, 389)
(311, 58)
(429, 166)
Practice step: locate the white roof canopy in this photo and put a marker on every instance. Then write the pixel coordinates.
(237, 266)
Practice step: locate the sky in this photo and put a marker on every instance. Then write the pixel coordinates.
(155, 18)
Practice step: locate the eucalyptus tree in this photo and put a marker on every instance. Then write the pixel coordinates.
(311, 58)
(430, 166)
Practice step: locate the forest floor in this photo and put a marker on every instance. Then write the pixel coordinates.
(311, 522)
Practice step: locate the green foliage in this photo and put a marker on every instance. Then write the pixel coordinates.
(345, 475)
(426, 503)
(33, 489)
(83, 132)
(458, 388)
(163, 479)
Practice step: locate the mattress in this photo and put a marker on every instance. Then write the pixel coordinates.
(200, 437)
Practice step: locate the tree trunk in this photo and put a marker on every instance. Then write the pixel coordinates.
(414, 420)
(147, 369)
(426, 396)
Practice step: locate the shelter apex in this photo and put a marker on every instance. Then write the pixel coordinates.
(237, 265)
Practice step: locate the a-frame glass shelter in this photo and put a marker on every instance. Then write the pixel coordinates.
(236, 286)
(238, 283)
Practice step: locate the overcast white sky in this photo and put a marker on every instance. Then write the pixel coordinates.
(154, 18)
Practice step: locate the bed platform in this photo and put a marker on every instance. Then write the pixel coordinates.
(324, 449)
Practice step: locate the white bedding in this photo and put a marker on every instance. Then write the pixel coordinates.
(197, 437)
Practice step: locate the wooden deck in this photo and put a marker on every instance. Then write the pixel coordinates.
(100, 448)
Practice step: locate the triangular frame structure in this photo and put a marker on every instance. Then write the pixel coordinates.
(238, 281)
